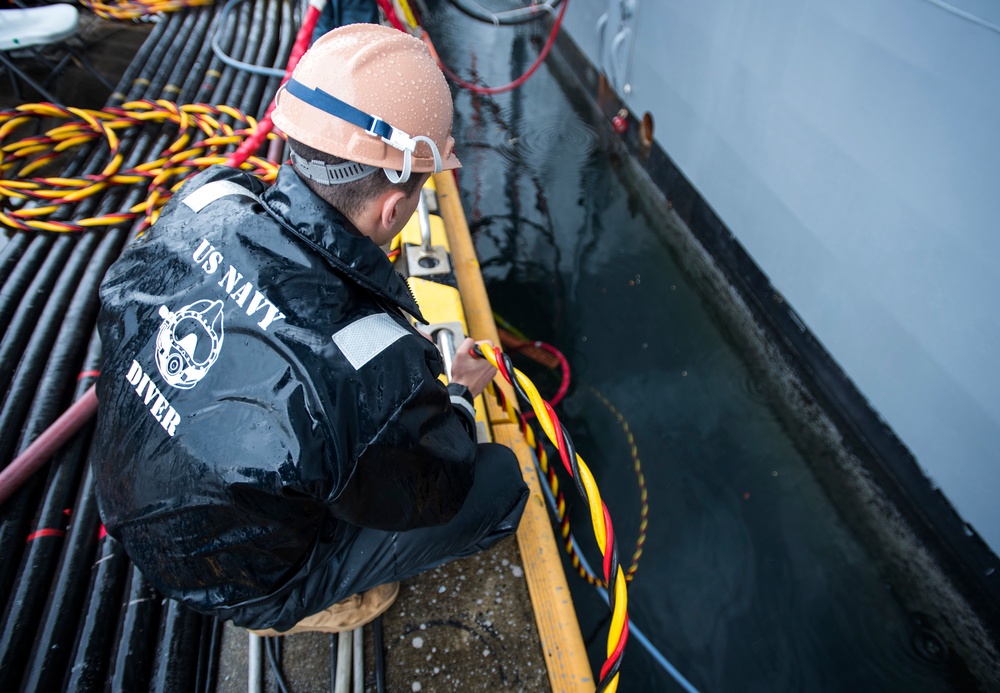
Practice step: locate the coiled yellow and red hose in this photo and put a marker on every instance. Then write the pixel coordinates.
(163, 175)
(135, 9)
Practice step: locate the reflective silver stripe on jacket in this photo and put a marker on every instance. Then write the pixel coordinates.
(364, 339)
(459, 401)
(210, 192)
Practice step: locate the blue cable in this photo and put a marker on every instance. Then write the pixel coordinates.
(632, 628)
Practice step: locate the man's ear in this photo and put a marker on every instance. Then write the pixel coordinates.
(390, 208)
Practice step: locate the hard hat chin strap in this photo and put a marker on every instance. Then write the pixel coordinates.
(373, 125)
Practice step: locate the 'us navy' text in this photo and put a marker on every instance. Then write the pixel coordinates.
(235, 288)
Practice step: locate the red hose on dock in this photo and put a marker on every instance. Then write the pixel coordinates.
(43, 447)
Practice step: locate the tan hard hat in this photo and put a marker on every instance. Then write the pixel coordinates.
(380, 73)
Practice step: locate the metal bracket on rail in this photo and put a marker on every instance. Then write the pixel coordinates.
(616, 31)
(426, 260)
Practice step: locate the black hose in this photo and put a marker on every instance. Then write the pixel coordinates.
(11, 251)
(22, 324)
(266, 55)
(208, 655)
(193, 51)
(46, 665)
(242, 83)
(16, 412)
(229, 77)
(139, 63)
(176, 661)
(172, 49)
(15, 286)
(131, 660)
(35, 331)
(199, 83)
(94, 641)
(379, 655)
(31, 587)
(286, 37)
(226, 23)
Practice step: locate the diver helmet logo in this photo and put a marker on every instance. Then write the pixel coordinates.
(189, 342)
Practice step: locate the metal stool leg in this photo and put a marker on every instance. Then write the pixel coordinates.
(55, 68)
(255, 664)
(345, 651)
(84, 62)
(15, 70)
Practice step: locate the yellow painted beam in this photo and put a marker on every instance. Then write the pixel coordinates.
(438, 302)
(565, 654)
(441, 303)
(411, 232)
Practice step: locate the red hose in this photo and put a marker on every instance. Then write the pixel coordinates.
(563, 366)
(475, 88)
(390, 13)
(43, 447)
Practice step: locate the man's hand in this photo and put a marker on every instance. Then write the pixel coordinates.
(475, 373)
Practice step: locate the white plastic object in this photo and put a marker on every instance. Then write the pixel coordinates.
(37, 26)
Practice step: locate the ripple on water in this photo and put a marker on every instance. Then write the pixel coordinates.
(720, 365)
(547, 140)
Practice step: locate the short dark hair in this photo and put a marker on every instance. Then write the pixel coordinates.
(351, 198)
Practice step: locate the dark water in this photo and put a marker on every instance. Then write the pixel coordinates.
(750, 581)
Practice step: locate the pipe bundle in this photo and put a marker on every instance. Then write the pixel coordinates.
(77, 615)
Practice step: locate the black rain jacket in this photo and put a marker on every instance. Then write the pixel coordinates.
(262, 395)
